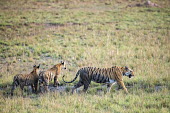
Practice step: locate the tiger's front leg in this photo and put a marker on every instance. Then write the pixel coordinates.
(22, 89)
(121, 83)
(36, 86)
(32, 87)
(13, 88)
(56, 82)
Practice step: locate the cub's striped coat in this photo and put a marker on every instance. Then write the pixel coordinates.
(26, 80)
(46, 76)
(101, 75)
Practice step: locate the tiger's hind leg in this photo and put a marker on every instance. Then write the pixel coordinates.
(119, 87)
(79, 84)
(86, 86)
(85, 80)
(109, 86)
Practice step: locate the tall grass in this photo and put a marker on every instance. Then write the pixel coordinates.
(86, 33)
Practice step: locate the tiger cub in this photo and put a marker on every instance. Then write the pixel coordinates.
(53, 73)
(30, 79)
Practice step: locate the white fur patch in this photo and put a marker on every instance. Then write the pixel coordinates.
(127, 73)
(111, 81)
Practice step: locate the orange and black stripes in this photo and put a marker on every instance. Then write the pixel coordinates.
(46, 76)
(26, 80)
(100, 75)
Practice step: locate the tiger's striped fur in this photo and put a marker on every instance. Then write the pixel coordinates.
(46, 76)
(30, 79)
(101, 75)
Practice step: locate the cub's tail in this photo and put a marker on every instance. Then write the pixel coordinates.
(14, 84)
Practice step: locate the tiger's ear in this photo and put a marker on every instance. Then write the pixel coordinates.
(62, 62)
(38, 66)
(126, 68)
(34, 66)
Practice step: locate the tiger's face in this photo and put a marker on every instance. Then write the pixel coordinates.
(63, 65)
(128, 72)
(36, 68)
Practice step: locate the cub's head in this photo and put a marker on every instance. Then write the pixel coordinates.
(128, 72)
(61, 65)
(36, 68)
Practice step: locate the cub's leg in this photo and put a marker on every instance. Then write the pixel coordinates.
(36, 86)
(33, 89)
(41, 87)
(56, 82)
(22, 89)
(46, 83)
(14, 85)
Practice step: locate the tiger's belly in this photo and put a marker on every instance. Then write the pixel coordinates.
(102, 79)
(111, 81)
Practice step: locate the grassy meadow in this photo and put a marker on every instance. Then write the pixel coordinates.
(99, 33)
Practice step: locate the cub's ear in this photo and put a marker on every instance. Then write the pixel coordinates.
(126, 67)
(62, 62)
(34, 66)
(38, 66)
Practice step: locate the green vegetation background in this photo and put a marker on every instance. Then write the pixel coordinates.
(86, 33)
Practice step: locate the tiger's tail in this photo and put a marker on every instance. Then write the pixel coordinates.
(14, 84)
(73, 79)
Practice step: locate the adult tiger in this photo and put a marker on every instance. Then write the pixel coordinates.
(101, 75)
(26, 80)
(46, 76)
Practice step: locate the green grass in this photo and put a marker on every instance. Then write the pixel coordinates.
(86, 33)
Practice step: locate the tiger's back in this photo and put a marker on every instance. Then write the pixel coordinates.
(101, 75)
(46, 76)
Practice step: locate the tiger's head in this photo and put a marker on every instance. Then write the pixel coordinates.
(128, 72)
(61, 65)
(36, 69)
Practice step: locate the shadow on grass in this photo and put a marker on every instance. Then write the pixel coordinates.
(5, 90)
